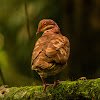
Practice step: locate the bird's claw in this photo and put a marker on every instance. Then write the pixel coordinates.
(45, 85)
(55, 83)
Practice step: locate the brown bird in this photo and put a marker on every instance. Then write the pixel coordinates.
(51, 51)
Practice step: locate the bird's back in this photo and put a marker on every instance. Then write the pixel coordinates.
(50, 53)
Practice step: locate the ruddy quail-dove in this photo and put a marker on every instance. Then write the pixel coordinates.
(51, 51)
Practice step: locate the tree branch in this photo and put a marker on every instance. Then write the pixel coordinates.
(68, 90)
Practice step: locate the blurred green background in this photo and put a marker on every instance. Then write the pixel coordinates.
(79, 20)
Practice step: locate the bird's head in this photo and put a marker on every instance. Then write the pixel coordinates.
(46, 24)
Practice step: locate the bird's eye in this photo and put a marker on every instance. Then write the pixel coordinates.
(44, 23)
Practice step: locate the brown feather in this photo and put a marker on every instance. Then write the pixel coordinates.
(51, 51)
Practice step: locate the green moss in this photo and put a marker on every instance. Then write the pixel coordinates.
(71, 90)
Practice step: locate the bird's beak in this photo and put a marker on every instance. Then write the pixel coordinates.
(38, 31)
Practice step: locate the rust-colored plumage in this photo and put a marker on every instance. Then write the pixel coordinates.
(51, 51)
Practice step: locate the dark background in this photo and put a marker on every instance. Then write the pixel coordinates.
(79, 20)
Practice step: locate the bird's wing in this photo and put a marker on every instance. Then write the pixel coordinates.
(46, 53)
(58, 49)
(38, 48)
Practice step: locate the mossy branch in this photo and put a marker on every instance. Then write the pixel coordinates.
(68, 90)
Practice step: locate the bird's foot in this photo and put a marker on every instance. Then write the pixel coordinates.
(55, 83)
(45, 85)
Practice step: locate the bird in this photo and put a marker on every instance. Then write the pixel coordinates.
(51, 51)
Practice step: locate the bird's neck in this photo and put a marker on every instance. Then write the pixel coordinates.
(54, 29)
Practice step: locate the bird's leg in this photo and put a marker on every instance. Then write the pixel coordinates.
(44, 84)
(55, 82)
